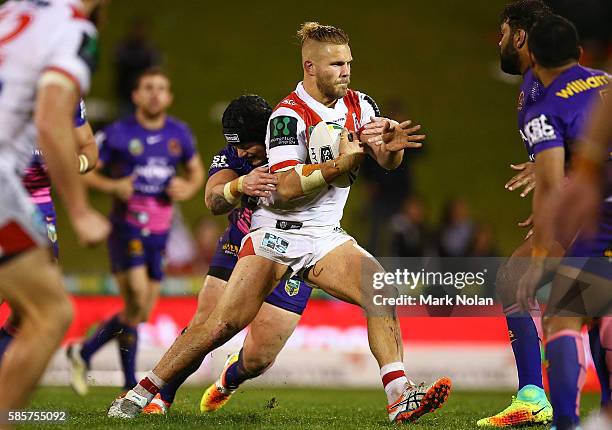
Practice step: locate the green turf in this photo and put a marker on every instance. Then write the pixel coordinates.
(294, 408)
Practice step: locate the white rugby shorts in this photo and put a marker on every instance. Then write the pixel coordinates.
(298, 248)
(21, 225)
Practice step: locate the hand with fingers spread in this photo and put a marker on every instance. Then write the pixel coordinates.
(259, 182)
(371, 133)
(401, 136)
(525, 178)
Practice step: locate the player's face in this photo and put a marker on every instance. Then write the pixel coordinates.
(508, 54)
(255, 153)
(333, 70)
(153, 96)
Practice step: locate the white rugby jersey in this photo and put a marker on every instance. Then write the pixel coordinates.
(35, 36)
(287, 145)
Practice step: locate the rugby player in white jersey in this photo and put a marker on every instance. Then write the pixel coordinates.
(298, 229)
(48, 51)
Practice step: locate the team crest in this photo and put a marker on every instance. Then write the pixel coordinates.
(292, 287)
(521, 101)
(174, 147)
(135, 147)
(51, 232)
(135, 247)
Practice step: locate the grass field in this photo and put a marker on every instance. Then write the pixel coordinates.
(286, 408)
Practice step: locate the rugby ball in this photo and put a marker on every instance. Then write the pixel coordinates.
(324, 145)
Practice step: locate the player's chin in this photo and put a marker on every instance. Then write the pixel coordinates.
(341, 90)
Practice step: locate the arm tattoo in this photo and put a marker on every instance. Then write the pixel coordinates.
(218, 204)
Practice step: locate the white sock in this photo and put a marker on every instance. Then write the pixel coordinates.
(394, 380)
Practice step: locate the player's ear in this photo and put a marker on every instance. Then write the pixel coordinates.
(520, 38)
(309, 67)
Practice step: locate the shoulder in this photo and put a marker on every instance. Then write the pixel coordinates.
(177, 124)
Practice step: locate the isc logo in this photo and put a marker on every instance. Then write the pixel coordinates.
(326, 154)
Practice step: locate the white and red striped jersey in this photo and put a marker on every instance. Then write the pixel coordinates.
(35, 36)
(287, 145)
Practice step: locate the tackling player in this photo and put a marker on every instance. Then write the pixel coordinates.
(47, 63)
(530, 405)
(244, 127)
(298, 230)
(141, 155)
(552, 127)
(37, 183)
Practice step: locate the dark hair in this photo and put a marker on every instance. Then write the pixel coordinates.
(553, 41)
(522, 14)
(245, 120)
(151, 71)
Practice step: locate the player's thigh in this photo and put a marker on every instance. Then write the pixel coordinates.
(251, 281)
(207, 298)
(133, 286)
(37, 295)
(346, 273)
(267, 335)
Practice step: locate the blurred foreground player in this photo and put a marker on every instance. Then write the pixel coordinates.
(48, 51)
(553, 126)
(297, 230)
(530, 406)
(141, 155)
(38, 185)
(245, 122)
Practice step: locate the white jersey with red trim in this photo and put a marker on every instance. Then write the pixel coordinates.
(35, 36)
(287, 145)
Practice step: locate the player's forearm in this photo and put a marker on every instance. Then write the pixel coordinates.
(96, 180)
(313, 177)
(545, 203)
(87, 148)
(389, 160)
(216, 201)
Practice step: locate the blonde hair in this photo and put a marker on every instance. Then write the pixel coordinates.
(322, 33)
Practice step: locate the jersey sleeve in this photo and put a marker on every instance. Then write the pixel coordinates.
(75, 52)
(227, 158)
(80, 115)
(544, 130)
(189, 144)
(104, 141)
(369, 108)
(286, 142)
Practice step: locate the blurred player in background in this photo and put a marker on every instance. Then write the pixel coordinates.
(243, 159)
(297, 230)
(48, 51)
(552, 127)
(140, 155)
(530, 405)
(37, 183)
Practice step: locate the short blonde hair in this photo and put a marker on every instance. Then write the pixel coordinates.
(322, 33)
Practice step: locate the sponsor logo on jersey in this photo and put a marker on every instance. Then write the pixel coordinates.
(580, 85)
(539, 130)
(283, 131)
(292, 287)
(88, 51)
(289, 102)
(521, 101)
(152, 140)
(135, 147)
(273, 243)
(174, 148)
(156, 171)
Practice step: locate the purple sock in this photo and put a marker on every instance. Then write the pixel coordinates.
(169, 391)
(128, 346)
(525, 342)
(599, 359)
(5, 339)
(236, 374)
(107, 331)
(566, 374)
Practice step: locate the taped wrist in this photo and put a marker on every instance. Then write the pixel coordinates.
(232, 191)
(83, 164)
(311, 177)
